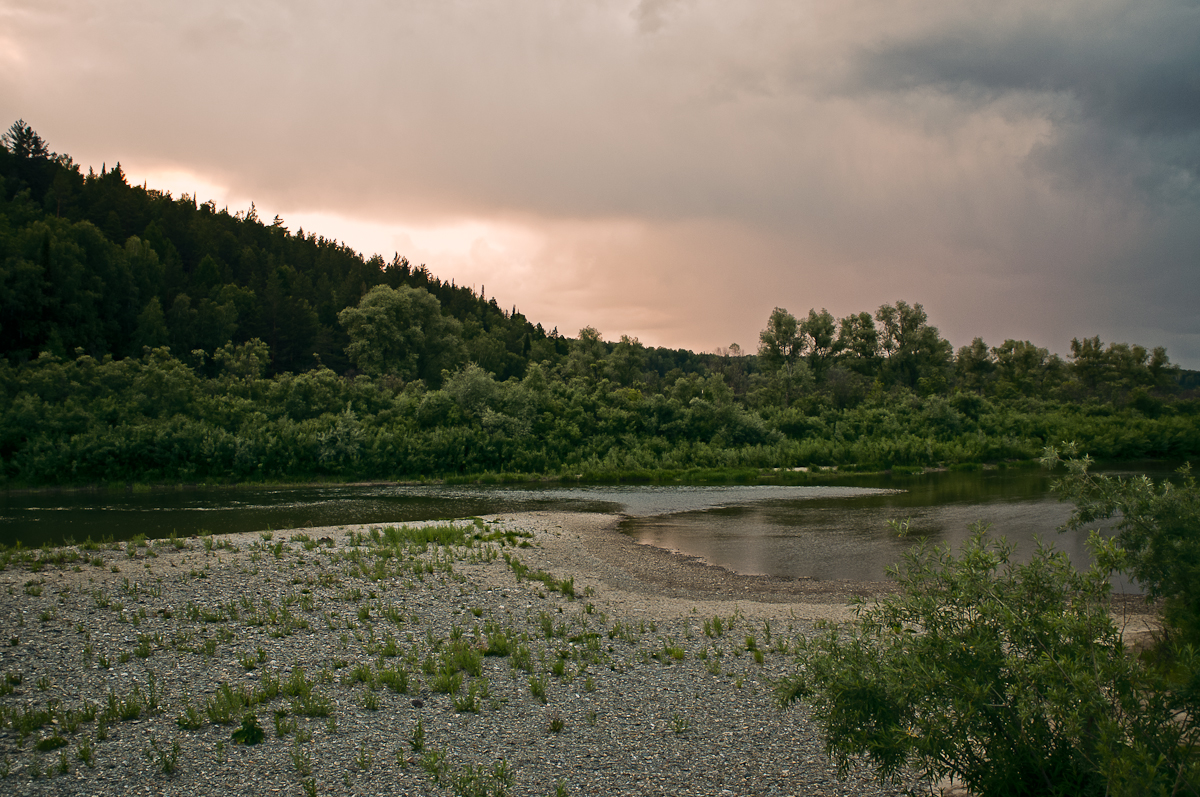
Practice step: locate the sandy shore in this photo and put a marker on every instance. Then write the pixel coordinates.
(644, 581)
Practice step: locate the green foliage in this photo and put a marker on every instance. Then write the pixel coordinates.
(1159, 532)
(915, 354)
(165, 760)
(402, 331)
(417, 740)
(250, 731)
(1010, 678)
(189, 720)
(87, 260)
(468, 780)
(50, 743)
(156, 419)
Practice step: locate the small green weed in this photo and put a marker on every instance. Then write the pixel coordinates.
(538, 685)
(85, 753)
(50, 743)
(302, 760)
(190, 719)
(250, 731)
(283, 724)
(165, 760)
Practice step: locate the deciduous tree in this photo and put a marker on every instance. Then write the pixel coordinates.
(912, 348)
(858, 342)
(402, 331)
(819, 331)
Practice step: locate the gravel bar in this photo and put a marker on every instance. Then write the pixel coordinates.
(611, 668)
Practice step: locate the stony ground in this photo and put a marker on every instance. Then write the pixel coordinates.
(541, 654)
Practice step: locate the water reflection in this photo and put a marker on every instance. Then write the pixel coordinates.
(34, 518)
(821, 531)
(846, 539)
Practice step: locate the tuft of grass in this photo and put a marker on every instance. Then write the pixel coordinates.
(250, 732)
(714, 627)
(471, 700)
(538, 685)
(313, 705)
(283, 725)
(365, 756)
(226, 704)
(166, 760)
(190, 719)
(468, 780)
(49, 743)
(446, 681)
(302, 760)
(394, 679)
(85, 753)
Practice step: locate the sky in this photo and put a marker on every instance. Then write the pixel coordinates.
(674, 169)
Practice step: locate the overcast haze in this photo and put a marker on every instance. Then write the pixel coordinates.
(674, 169)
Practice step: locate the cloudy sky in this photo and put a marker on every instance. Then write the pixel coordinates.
(674, 169)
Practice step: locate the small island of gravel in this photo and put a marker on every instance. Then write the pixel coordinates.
(532, 654)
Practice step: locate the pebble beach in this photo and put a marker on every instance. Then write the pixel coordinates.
(541, 654)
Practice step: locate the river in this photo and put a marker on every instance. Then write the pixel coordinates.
(824, 531)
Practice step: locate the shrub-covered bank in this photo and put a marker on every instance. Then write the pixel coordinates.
(155, 418)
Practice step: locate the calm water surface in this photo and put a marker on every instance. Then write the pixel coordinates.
(848, 537)
(34, 518)
(826, 532)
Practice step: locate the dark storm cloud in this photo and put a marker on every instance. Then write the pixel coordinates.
(1114, 72)
(1118, 84)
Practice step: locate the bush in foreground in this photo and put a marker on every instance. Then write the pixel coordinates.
(1158, 527)
(1011, 679)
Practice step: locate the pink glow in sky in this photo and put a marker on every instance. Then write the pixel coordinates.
(674, 169)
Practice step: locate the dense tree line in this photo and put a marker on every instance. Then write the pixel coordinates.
(146, 337)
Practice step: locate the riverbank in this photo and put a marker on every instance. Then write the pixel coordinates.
(790, 476)
(522, 654)
(542, 650)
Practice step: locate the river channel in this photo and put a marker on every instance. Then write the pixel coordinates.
(826, 531)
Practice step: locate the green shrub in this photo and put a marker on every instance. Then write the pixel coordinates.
(1159, 533)
(1010, 678)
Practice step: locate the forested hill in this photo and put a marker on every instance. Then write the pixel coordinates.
(148, 337)
(96, 264)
